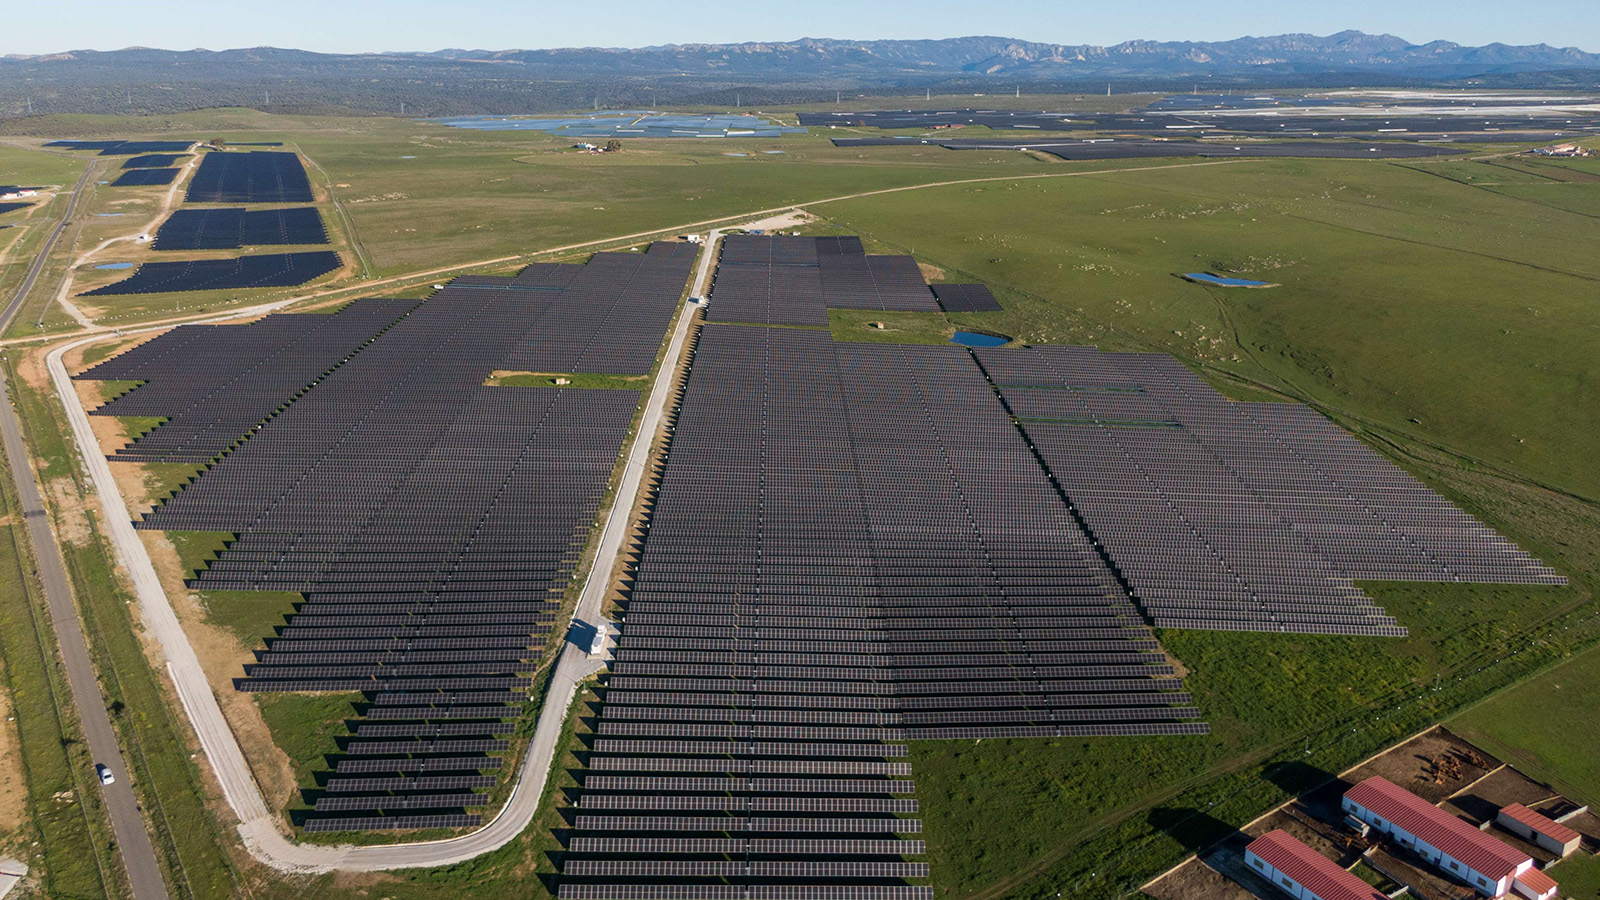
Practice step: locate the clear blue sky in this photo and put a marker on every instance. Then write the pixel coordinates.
(48, 26)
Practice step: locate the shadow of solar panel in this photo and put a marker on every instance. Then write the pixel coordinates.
(259, 176)
(152, 161)
(226, 229)
(145, 177)
(268, 270)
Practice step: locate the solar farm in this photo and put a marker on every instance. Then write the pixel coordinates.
(264, 270)
(145, 177)
(431, 522)
(981, 539)
(232, 228)
(257, 176)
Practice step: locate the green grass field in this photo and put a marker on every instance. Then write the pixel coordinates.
(1537, 725)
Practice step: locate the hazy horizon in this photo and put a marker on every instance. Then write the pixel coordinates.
(409, 26)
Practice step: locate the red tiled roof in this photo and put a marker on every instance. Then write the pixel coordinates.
(1540, 824)
(1538, 882)
(1310, 869)
(1455, 838)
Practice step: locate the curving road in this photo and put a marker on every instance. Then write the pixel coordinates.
(260, 829)
(127, 823)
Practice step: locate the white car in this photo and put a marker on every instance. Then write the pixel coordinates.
(105, 774)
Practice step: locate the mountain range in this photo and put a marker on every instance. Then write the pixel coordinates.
(510, 81)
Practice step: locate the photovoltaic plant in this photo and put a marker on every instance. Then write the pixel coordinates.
(856, 545)
(152, 161)
(125, 148)
(431, 522)
(231, 228)
(267, 270)
(259, 176)
(1237, 516)
(146, 177)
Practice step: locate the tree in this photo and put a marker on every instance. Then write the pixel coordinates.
(613, 146)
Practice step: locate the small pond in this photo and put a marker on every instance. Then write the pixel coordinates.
(115, 266)
(979, 339)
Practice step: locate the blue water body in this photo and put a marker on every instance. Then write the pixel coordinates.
(979, 339)
(773, 152)
(115, 266)
(408, 157)
(1220, 281)
(631, 123)
(735, 154)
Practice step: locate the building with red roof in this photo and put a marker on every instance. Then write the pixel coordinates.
(1538, 829)
(1302, 872)
(1456, 848)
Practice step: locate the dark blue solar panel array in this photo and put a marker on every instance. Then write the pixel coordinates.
(231, 228)
(152, 161)
(965, 298)
(268, 270)
(145, 177)
(11, 207)
(125, 148)
(789, 280)
(214, 383)
(431, 522)
(1237, 516)
(851, 546)
(260, 176)
(856, 545)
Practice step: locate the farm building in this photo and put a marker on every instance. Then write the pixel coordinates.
(1302, 872)
(1456, 848)
(1538, 829)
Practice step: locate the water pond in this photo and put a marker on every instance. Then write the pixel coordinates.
(1224, 281)
(979, 339)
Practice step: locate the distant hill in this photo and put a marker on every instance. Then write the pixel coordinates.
(507, 81)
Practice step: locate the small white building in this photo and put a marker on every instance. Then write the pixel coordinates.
(1466, 854)
(1302, 872)
(1538, 829)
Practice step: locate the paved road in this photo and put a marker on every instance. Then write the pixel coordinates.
(262, 831)
(127, 824)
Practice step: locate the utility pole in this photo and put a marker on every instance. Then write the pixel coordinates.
(1108, 89)
(927, 94)
(268, 100)
(837, 97)
(1019, 92)
(402, 109)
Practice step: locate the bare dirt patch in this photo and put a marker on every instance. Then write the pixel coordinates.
(222, 656)
(931, 273)
(1433, 765)
(13, 784)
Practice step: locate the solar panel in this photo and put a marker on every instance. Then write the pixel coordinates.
(145, 177)
(269, 270)
(260, 176)
(152, 161)
(231, 228)
(431, 521)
